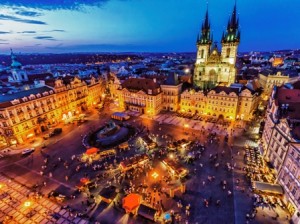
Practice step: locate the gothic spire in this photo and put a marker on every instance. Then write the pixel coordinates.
(232, 33)
(205, 36)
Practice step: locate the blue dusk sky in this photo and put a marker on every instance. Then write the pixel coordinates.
(142, 25)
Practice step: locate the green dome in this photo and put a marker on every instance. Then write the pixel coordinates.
(16, 64)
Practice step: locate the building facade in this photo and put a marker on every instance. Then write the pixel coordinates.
(269, 78)
(213, 67)
(193, 102)
(171, 91)
(280, 141)
(140, 95)
(27, 113)
(221, 102)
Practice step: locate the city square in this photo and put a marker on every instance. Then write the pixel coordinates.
(209, 187)
(133, 112)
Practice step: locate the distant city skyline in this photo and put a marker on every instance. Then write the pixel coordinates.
(141, 25)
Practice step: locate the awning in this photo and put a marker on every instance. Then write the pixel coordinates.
(267, 187)
(131, 202)
(91, 151)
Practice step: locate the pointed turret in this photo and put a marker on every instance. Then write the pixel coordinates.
(205, 37)
(232, 32)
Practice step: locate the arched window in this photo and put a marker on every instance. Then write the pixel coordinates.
(227, 52)
(202, 53)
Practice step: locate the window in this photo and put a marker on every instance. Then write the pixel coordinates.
(294, 190)
(227, 52)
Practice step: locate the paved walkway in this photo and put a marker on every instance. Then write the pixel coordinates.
(185, 123)
(18, 205)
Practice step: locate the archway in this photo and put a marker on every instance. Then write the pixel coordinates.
(212, 75)
(221, 117)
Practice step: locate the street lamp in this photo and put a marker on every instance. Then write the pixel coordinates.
(155, 175)
(27, 204)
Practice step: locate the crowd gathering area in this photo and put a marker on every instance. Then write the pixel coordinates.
(267, 196)
(147, 178)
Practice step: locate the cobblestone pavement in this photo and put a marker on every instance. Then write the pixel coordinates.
(19, 205)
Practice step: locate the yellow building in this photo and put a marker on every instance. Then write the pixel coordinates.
(193, 102)
(27, 113)
(140, 95)
(221, 102)
(248, 103)
(269, 78)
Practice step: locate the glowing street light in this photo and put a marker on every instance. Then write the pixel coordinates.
(155, 175)
(27, 204)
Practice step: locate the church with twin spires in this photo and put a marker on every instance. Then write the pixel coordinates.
(212, 67)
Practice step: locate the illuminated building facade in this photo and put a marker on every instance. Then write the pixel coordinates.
(213, 67)
(141, 95)
(221, 102)
(269, 78)
(193, 102)
(27, 113)
(171, 93)
(281, 138)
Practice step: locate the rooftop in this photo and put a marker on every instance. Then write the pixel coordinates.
(5, 99)
(141, 84)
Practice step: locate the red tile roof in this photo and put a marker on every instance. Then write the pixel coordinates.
(141, 84)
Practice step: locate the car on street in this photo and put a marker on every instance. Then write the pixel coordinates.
(28, 151)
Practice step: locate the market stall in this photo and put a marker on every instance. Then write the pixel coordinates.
(131, 202)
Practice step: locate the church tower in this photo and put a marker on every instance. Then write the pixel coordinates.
(204, 41)
(231, 39)
(18, 74)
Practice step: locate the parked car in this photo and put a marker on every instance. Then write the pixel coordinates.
(27, 151)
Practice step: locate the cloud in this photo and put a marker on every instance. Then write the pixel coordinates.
(35, 45)
(53, 4)
(3, 40)
(3, 43)
(4, 32)
(48, 31)
(28, 32)
(44, 38)
(17, 19)
(23, 12)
